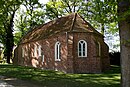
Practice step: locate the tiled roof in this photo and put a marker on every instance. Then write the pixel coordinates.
(71, 23)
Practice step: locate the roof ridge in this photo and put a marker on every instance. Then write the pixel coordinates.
(73, 21)
(88, 24)
(69, 23)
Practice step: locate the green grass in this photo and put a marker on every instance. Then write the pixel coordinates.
(49, 78)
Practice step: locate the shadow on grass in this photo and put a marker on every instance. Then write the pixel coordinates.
(113, 70)
(48, 78)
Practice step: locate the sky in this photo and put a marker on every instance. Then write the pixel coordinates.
(43, 1)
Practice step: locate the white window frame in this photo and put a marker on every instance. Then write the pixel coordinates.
(57, 51)
(23, 52)
(43, 58)
(26, 49)
(39, 50)
(84, 42)
(99, 48)
(35, 50)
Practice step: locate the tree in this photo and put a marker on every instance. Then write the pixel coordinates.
(31, 7)
(8, 8)
(101, 14)
(58, 8)
(124, 27)
(26, 19)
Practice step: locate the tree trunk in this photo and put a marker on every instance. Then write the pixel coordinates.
(10, 38)
(9, 45)
(102, 29)
(124, 28)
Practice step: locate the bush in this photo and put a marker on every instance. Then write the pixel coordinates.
(114, 58)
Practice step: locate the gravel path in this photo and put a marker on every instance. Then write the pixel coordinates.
(13, 82)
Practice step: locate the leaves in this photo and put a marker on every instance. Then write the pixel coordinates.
(8, 8)
(29, 16)
(101, 14)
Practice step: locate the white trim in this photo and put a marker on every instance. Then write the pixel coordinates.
(23, 52)
(42, 58)
(35, 50)
(26, 51)
(57, 51)
(99, 45)
(82, 51)
(39, 50)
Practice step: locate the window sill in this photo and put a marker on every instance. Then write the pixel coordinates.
(82, 56)
(96, 56)
(57, 59)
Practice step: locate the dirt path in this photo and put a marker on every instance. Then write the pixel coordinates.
(14, 82)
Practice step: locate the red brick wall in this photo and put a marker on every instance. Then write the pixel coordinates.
(70, 62)
(105, 58)
(48, 48)
(89, 64)
(70, 57)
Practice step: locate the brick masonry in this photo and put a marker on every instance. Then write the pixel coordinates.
(70, 62)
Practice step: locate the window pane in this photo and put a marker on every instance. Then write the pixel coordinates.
(82, 48)
(57, 54)
(83, 53)
(80, 53)
(57, 51)
(82, 41)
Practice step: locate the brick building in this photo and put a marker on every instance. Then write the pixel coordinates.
(69, 44)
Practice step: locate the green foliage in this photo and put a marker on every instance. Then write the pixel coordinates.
(100, 13)
(104, 12)
(50, 78)
(28, 16)
(8, 9)
(54, 9)
(112, 27)
(58, 8)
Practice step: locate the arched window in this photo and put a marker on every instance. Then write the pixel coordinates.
(82, 48)
(39, 50)
(57, 51)
(35, 50)
(23, 52)
(98, 48)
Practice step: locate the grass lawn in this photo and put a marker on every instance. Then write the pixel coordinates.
(49, 78)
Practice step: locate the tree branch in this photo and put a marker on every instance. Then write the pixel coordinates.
(67, 3)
